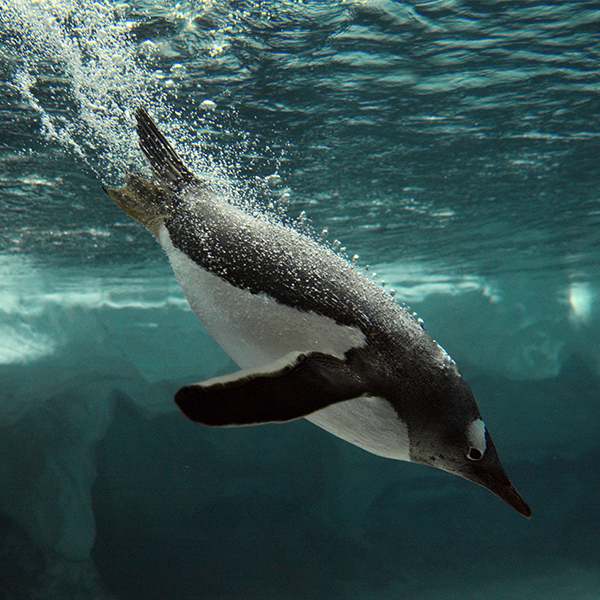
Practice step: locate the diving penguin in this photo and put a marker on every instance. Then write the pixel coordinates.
(314, 337)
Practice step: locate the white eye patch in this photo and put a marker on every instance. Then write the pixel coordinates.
(476, 440)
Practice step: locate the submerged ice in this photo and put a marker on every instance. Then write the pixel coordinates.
(73, 361)
(132, 340)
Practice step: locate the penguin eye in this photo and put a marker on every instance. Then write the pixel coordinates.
(474, 454)
(476, 439)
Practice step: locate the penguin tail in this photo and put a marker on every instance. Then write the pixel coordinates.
(144, 201)
(165, 162)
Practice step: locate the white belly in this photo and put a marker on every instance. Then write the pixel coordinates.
(256, 330)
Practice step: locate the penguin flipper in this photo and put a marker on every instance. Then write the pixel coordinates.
(292, 387)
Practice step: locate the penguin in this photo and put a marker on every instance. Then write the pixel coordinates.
(312, 335)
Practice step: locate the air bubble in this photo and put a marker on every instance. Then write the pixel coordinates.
(118, 60)
(392, 292)
(208, 105)
(324, 233)
(178, 70)
(355, 259)
(273, 179)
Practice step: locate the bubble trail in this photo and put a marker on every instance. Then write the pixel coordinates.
(76, 64)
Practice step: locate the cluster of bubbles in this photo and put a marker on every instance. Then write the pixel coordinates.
(82, 52)
(89, 48)
(302, 224)
(82, 68)
(336, 246)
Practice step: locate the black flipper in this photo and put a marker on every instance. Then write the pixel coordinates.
(296, 386)
(160, 154)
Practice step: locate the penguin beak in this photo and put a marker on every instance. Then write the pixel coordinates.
(490, 474)
(503, 488)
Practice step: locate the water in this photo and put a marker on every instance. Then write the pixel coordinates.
(452, 145)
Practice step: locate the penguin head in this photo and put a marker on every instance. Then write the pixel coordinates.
(450, 435)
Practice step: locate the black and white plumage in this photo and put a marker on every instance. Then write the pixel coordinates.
(314, 337)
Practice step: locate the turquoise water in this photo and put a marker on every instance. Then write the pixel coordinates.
(452, 145)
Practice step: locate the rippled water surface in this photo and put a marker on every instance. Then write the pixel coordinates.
(460, 133)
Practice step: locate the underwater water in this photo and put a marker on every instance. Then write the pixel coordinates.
(452, 144)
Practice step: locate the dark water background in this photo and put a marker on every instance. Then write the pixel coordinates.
(453, 145)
